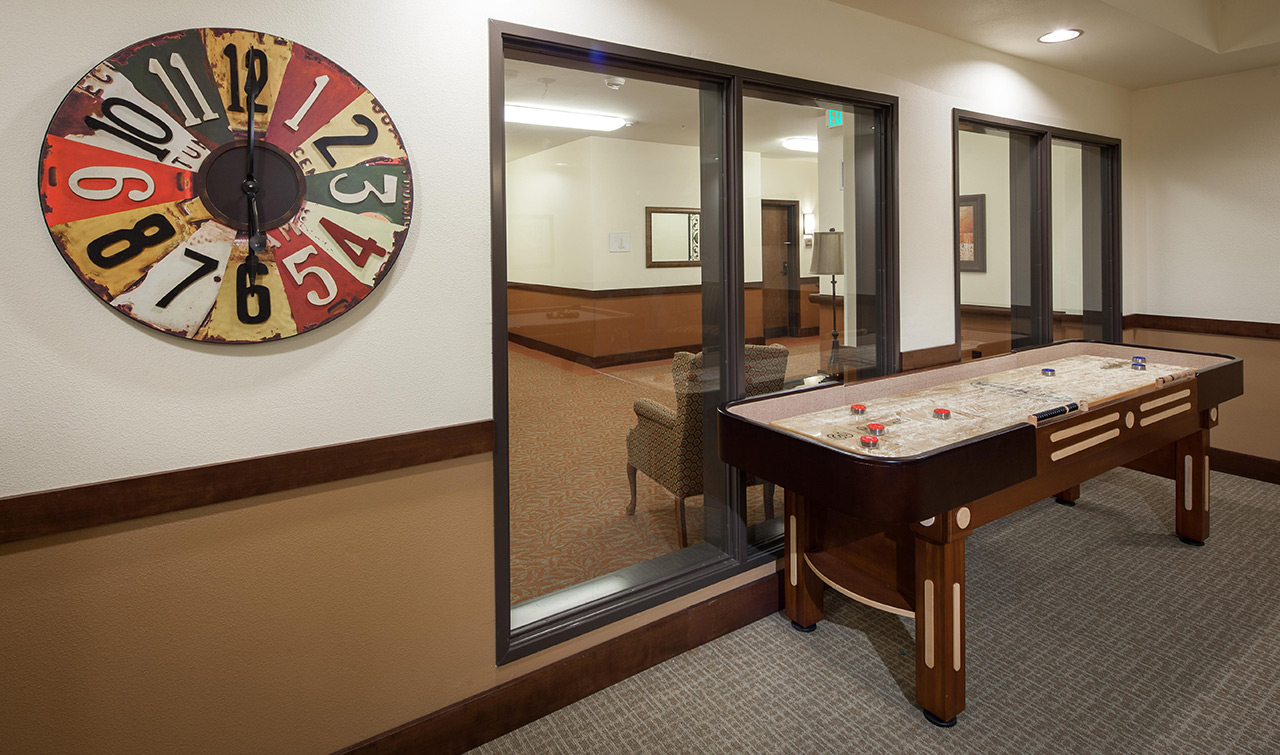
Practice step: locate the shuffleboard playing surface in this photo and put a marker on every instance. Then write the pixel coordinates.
(978, 406)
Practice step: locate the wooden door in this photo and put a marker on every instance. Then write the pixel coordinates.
(779, 259)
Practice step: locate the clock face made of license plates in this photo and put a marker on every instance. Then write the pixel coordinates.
(143, 185)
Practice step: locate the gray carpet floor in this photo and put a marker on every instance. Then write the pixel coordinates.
(1090, 630)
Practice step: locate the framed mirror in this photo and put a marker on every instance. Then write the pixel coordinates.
(671, 237)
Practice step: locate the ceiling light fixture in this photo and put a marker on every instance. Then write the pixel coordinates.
(801, 143)
(536, 116)
(1060, 35)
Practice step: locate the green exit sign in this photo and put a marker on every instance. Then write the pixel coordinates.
(835, 118)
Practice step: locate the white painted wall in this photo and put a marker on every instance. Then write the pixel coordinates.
(626, 177)
(90, 396)
(1068, 228)
(564, 202)
(550, 211)
(585, 190)
(984, 169)
(1208, 157)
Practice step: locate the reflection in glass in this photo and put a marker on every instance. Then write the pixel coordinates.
(808, 170)
(605, 363)
(1078, 191)
(997, 227)
(673, 237)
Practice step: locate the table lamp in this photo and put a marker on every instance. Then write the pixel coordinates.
(828, 259)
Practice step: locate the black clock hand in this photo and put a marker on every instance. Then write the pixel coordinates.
(257, 241)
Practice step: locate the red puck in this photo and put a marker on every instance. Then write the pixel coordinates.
(858, 409)
(869, 441)
(942, 413)
(875, 428)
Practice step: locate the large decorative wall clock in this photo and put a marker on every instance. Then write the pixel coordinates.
(182, 210)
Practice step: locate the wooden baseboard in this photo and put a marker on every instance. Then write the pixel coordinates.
(618, 293)
(569, 355)
(1207, 326)
(48, 512)
(1245, 465)
(609, 360)
(509, 706)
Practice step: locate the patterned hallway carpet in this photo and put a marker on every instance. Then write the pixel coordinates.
(569, 488)
(1090, 630)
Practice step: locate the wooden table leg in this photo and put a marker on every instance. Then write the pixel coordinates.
(1191, 475)
(1068, 497)
(940, 629)
(802, 588)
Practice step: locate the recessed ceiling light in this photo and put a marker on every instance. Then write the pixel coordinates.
(536, 116)
(801, 143)
(1060, 35)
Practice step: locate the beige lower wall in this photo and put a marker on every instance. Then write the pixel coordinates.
(297, 622)
(1246, 424)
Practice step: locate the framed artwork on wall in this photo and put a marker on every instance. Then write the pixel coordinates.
(672, 237)
(971, 243)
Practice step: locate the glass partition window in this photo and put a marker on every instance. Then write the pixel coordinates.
(606, 371)
(637, 250)
(811, 291)
(1037, 235)
(996, 224)
(1079, 193)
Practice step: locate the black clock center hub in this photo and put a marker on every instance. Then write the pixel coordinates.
(278, 185)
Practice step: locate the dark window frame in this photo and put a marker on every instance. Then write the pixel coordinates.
(1041, 325)
(682, 572)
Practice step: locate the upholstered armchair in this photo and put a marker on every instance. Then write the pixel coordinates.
(667, 445)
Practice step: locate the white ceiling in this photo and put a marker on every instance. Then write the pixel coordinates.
(1130, 43)
(663, 113)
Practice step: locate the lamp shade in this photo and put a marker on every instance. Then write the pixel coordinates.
(828, 253)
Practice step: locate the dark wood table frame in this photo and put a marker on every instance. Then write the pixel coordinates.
(891, 533)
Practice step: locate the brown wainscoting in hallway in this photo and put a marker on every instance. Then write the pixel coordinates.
(604, 328)
(602, 325)
(52, 511)
(986, 331)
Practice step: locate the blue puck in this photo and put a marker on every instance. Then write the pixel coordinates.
(1048, 372)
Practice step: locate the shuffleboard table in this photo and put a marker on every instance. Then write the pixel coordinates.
(886, 478)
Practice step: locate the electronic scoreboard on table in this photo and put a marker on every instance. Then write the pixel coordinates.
(886, 478)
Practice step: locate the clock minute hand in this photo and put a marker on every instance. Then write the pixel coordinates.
(257, 242)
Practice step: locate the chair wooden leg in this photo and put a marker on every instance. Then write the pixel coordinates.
(631, 477)
(684, 532)
(768, 499)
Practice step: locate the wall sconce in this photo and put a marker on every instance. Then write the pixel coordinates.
(809, 226)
